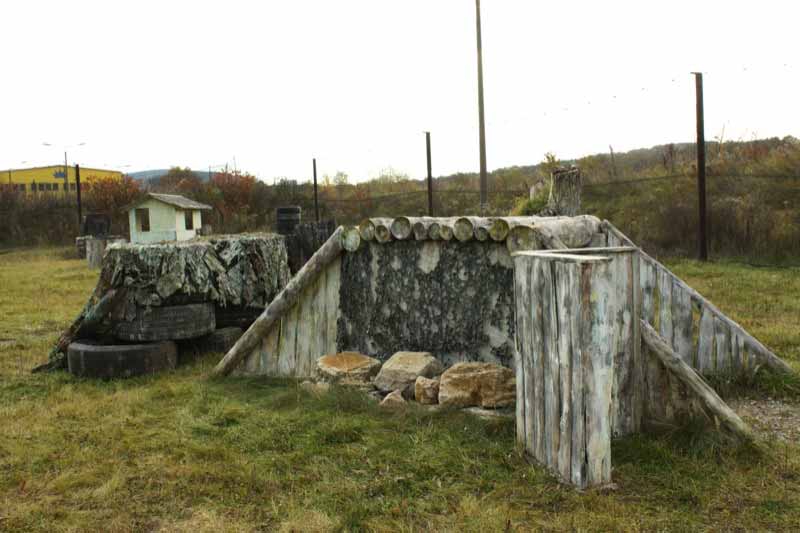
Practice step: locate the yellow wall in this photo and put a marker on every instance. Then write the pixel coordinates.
(51, 176)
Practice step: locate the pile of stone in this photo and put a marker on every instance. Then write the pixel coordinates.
(420, 377)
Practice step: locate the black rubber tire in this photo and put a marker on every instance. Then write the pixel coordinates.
(220, 340)
(239, 317)
(176, 322)
(120, 360)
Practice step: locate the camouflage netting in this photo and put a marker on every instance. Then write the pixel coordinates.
(231, 271)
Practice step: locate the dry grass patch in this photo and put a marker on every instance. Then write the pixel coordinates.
(179, 452)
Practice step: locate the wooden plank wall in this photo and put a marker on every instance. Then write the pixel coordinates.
(567, 342)
(305, 333)
(706, 339)
(711, 343)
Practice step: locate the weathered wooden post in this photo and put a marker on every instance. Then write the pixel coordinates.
(565, 193)
(95, 246)
(577, 359)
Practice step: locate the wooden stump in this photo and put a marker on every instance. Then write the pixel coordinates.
(94, 251)
(565, 193)
(567, 336)
(80, 245)
(96, 247)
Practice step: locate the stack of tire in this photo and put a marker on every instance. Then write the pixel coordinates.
(151, 342)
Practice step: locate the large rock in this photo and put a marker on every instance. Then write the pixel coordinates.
(403, 368)
(426, 390)
(347, 368)
(477, 384)
(393, 399)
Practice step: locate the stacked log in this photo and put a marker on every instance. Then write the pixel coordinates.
(520, 233)
(421, 228)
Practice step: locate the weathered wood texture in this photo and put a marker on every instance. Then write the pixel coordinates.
(567, 309)
(565, 193)
(719, 338)
(629, 386)
(284, 302)
(306, 332)
(714, 406)
(706, 340)
(95, 248)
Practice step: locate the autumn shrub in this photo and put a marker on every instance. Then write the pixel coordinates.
(34, 219)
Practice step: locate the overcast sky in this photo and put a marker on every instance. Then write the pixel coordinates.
(153, 84)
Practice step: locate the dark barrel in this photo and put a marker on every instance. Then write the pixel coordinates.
(288, 219)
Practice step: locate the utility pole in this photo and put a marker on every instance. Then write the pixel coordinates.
(430, 175)
(78, 196)
(316, 199)
(66, 174)
(702, 236)
(481, 124)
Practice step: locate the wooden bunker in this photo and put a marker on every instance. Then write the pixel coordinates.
(603, 337)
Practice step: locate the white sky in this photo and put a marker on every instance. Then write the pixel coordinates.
(152, 84)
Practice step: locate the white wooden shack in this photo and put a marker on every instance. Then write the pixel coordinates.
(164, 217)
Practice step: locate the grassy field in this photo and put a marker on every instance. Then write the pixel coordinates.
(177, 452)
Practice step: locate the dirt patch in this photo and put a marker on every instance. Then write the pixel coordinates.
(772, 418)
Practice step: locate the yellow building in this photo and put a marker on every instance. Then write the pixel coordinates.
(50, 180)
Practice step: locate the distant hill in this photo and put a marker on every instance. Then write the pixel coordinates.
(147, 175)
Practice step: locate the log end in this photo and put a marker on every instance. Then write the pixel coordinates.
(351, 239)
(366, 230)
(463, 229)
(522, 238)
(401, 228)
(434, 231)
(498, 229)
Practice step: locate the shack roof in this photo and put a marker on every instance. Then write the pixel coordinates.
(174, 200)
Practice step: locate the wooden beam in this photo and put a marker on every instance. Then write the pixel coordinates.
(771, 360)
(285, 300)
(694, 382)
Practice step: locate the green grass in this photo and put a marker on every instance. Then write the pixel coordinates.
(179, 452)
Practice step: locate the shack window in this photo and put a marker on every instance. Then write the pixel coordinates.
(187, 215)
(42, 186)
(143, 217)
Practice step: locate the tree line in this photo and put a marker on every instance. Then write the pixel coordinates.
(753, 193)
